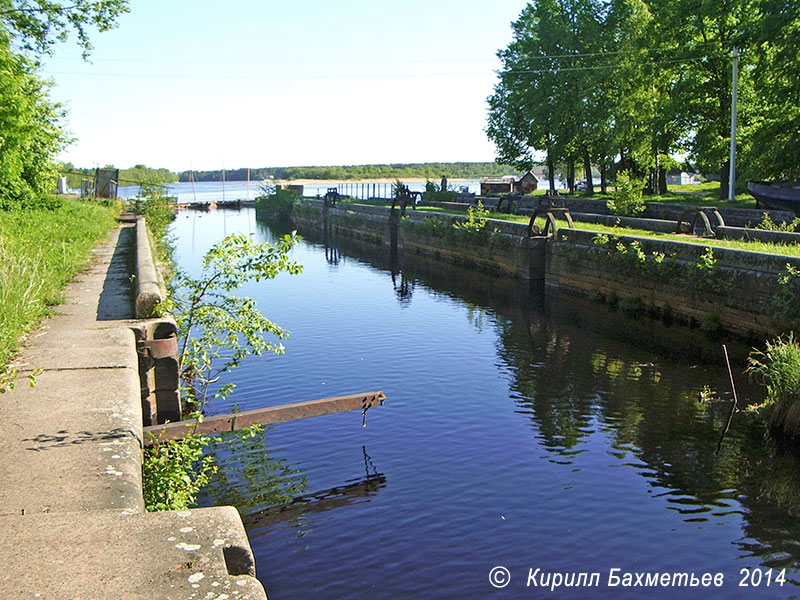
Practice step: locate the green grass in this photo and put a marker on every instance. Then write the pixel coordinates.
(753, 246)
(701, 194)
(40, 251)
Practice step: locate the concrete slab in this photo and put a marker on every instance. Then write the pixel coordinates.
(201, 553)
(72, 442)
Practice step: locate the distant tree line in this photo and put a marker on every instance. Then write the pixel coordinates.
(628, 84)
(137, 175)
(453, 170)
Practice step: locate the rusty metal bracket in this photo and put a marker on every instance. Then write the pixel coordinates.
(161, 348)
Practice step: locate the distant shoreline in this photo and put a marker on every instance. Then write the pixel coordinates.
(365, 181)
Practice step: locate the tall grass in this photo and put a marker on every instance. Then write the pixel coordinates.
(40, 251)
(777, 368)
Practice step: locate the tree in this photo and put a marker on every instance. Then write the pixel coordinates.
(38, 24)
(217, 329)
(31, 129)
(552, 95)
(30, 133)
(775, 133)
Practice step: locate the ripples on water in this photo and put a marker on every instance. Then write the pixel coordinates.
(555, 436)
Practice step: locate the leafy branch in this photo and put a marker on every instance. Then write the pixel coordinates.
(217, 329)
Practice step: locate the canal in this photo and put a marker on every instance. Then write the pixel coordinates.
(519, 432)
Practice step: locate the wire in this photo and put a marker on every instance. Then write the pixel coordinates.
(597, 67)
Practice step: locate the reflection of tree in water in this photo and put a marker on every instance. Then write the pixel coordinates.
(574, 386)
(403, 287)
(268, 491)
(250, 475)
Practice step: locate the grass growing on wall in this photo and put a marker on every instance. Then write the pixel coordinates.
(40, 251)
(751, 245)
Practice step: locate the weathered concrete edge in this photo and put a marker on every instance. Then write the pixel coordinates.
(148, 290)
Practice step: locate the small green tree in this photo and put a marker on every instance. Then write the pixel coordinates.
(626, 200)
(218, 330)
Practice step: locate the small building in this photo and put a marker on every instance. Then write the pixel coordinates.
(495, 186)
(529, 182)
(678, 177)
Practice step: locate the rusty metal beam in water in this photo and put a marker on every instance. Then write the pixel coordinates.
(265, 416)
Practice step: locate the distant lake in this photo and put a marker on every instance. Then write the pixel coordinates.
(213, 191)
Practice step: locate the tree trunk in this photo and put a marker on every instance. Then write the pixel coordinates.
(587, 171)
(551, 171)
(603, 179)
(571, 174)
(662, 181)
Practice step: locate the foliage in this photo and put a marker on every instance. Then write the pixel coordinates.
(217, 329)
(637, 81)
(475, 223)
(703, 277)
(277, 205)
(777, 368)
(40, 251)
(397, 187)
(38, 24)
(456, 170)
(626, 200)
(629, 258)
(784, 304)
(174, 471)
(768, 224)
(136, 175)
(155, 206)
(30, 134)
(434, 193)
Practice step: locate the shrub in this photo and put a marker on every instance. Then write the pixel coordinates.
(626, 200)
(784, 303)
(777, 368)
(174, 472)
(434, 193)
(277, 206)
(769, 225)
(475, 223)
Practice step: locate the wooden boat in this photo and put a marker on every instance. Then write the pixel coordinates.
(774, 195)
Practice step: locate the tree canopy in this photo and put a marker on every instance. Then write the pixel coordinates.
(35, 25)
(31, 124)
(627, 84)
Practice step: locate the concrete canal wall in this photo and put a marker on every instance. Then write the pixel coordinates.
(71, 504)
(727, 289)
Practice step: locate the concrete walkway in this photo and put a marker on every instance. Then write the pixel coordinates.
(71, 509)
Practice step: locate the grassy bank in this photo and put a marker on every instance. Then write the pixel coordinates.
(751, 245)
(40, 251)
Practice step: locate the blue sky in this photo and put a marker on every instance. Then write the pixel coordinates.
(182, 84)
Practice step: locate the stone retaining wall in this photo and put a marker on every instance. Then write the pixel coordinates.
(726, 289)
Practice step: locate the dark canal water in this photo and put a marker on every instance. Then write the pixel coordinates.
(519, 433)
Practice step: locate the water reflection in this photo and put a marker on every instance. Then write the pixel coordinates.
(350, 493)
(521, 429)
(634, 390)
